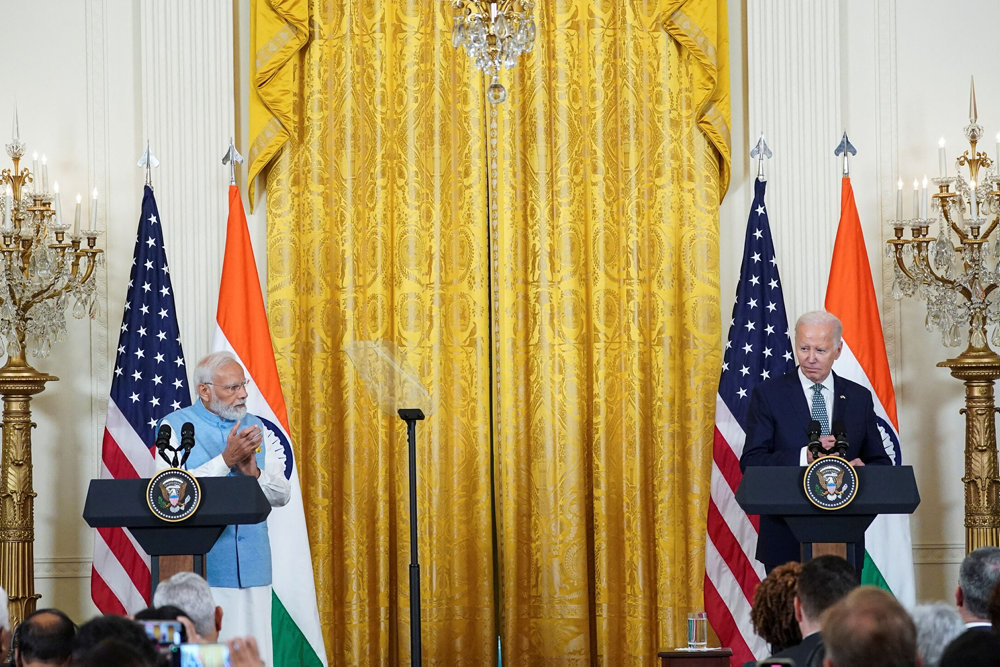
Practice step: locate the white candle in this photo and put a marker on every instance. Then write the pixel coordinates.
(942, 160)
(973, 200)
(76, 216)
(58, 203)
(34, 173)
(998, 151)
(923, 203)
(8, 205)
(45, 174)
(916, 198)
(93, 211)
(899, 199)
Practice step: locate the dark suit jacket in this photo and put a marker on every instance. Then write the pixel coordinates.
(777, 430)
(807, 653)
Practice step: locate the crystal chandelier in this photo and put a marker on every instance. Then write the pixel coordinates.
(42, 266)
(494, 34)
(956, 272)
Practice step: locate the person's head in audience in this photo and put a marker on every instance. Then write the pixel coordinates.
(45, 637)
(114, 640)
(869, 627)
(5, 633)
(772, 614)
(972, 648)
(190, 592)
(823, 581)
(977, 577)
(938, 623)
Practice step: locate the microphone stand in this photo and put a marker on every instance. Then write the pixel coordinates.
(411, 416)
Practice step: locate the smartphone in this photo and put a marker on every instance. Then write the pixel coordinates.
(203, 655)
(165, 633)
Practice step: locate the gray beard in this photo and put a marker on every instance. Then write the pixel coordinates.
(230, 412)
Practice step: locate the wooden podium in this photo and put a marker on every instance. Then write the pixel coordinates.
(224, 501)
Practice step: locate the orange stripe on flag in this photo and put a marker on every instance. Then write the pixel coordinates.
(241, 314)
(850, 295)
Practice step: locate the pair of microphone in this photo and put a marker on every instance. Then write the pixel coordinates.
(840, 440)
(163, 444)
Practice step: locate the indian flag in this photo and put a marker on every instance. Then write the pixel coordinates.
(850, 295)
(241, 328)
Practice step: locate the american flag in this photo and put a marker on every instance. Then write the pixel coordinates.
(150, 380)
(758, 347)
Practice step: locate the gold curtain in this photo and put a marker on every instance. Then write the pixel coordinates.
(551, 266)
(607, 311)
(372, 236)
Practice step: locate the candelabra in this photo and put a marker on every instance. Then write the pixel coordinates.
(494, 34)
(41, 268)
(956, 272)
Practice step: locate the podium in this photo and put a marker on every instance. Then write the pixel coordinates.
(113, 503)
(778, 491)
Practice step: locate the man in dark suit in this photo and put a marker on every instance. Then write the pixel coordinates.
(823, 581)
(978, 575)
(782, 408)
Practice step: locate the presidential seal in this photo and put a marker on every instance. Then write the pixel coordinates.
(173, 494)
(830, 483)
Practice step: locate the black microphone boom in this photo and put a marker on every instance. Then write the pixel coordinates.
(187, 441)
(163, 436)
(840, 435)
(163, 443)
(815, 447)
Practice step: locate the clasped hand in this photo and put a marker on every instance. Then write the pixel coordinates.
(240, 449)
(828, 442)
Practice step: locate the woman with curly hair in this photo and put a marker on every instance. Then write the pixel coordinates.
(773, 612)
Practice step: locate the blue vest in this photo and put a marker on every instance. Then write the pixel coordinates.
(242, 556)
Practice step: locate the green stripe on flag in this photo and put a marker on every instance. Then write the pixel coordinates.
(871, 576)
(289, 644)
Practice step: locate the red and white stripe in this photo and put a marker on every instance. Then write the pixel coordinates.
(731, 570)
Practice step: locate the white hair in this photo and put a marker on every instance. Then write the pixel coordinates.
(937, 624)
(4, 612)
(821, 318)
(204, 372)
(190, 593)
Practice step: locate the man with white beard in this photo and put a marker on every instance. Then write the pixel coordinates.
(228, 441)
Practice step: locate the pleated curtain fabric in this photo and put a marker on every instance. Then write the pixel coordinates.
(549, 267)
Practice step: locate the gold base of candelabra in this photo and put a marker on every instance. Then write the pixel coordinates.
(18, 383)
(978, 368)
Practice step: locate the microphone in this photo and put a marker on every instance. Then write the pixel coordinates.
(187, 440)
(163, 437)
(840, 434)
(163, 443)
(815, 447)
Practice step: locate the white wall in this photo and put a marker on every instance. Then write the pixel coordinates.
(93, 80)
(895, 75)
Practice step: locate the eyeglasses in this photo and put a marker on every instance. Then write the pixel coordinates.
(231, 387)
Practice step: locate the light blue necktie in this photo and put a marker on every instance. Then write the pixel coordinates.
(819, 409)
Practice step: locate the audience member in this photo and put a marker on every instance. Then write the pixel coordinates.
(938, 623)
(100, 641)
(191, 592)
(977, 577)
(772, 614)
(5, 634)
(869, 627)
(823, 581)
(972, 648)
(117, 652)
(45, 637)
